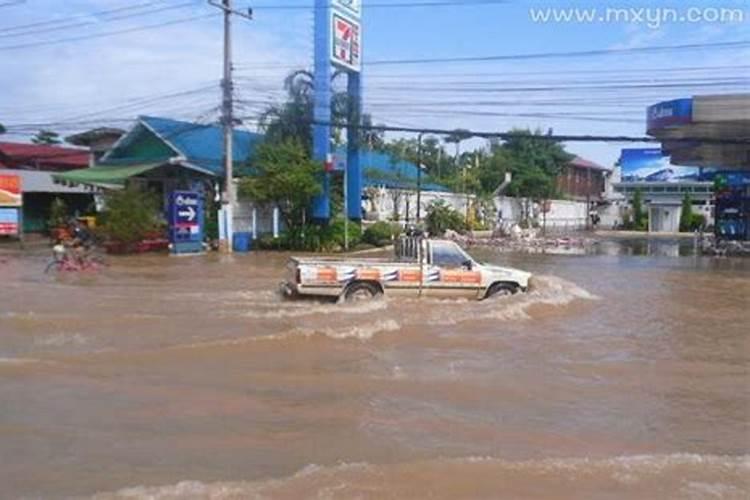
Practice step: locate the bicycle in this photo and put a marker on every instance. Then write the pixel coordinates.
(73, 259)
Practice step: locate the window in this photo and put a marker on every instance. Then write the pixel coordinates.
(448, 255)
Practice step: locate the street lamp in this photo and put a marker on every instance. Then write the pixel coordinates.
(419, 177)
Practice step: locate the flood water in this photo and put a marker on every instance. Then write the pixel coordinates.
(618, 376)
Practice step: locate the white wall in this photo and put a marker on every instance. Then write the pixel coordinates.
(562, 214)
(664, 218)
(380, 206)
(566, 215)
(243, 218)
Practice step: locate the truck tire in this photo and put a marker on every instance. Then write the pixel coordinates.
(358, 292)
(501, 289)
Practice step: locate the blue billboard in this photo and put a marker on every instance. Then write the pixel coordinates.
(669, 114)
(652, 165)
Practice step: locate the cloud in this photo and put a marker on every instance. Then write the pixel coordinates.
(63, 81)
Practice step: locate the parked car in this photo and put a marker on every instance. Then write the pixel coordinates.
(421, 267)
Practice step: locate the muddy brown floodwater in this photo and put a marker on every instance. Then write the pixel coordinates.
(617, 377)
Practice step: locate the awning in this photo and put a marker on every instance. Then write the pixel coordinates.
(106, 176)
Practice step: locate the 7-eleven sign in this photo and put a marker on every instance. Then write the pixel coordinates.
(346, 42)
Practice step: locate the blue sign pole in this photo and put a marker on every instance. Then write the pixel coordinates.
(353, 169)
(321, 209)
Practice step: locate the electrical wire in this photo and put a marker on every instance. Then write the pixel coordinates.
(132, 29)
(89, 21)
(392, 5)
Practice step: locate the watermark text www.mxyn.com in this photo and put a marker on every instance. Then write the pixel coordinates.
(652, 17)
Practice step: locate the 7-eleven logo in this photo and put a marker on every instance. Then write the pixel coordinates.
(346, 41)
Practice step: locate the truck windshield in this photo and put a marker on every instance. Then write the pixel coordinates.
(448, 255)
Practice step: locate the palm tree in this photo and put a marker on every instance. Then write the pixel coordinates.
(294, 117)
(372, 137)
(456, 137)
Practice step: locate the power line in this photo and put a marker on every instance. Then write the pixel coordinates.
(534, 56)
(77, 16)
(588, 88)
(548, 137)
(12, 3)
(713, 79)
(58, 27)
(392, 5)
(645, 71)
(554, 55)
(108, 33)
(425, 113)
(135, 104)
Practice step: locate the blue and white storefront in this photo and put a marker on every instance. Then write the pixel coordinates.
(705, 153)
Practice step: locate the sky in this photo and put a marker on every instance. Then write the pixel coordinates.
(77, 64)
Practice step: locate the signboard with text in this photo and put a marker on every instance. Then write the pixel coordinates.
(351, 7)
(346, 36)
(186, 221)
(669, 114)
(10, 191)
(10, 221)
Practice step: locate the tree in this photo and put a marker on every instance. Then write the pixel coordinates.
(532, 151)
(492, 169)
(686, 215)
(455, 137)
(284, 175)
(441, 217)
(130, 214)
(46, 137)
(534, 162)
(2, 129)
(371, 138)
(640, 221)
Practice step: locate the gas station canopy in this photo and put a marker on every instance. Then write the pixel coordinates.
(714, 117)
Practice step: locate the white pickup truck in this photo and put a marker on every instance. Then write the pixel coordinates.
(422, 267)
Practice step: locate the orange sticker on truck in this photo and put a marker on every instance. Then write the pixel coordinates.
(368, 274)
(327, 274)
(411, 275)
(463, 277)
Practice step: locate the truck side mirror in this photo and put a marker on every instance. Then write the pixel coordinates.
(468, 264)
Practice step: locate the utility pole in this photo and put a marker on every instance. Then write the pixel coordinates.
(227, 117)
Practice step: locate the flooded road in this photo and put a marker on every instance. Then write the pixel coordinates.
(616, 377)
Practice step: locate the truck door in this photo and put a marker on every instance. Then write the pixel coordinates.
(451, 273)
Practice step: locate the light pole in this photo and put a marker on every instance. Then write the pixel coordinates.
(419, 177)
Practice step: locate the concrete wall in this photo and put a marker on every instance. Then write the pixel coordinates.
(561, 214)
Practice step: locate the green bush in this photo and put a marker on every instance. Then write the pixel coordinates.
(334, 235)
(130, 215)
(697, 221)
(314, 238)
(268, 242)
(441, 217)
(381, 232)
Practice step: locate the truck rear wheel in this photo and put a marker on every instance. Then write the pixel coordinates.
(358, 292)
(501, 289)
